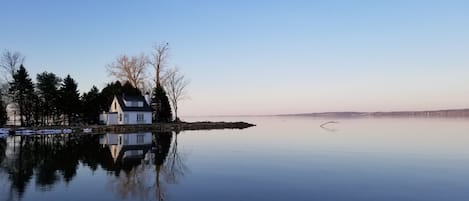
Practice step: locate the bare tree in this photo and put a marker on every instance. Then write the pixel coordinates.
(159, 60)
(10, 62)
(132, 69)
(176, 84)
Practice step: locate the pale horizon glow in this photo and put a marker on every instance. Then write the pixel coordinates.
(261, 57)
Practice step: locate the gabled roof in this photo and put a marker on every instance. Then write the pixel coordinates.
(143, 147)
(145, 108)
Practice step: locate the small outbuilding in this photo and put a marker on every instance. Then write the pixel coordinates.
(13, 114)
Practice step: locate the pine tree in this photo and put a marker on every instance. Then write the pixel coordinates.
(160, 104)
(91, 107)
(107, 95)
(48, 91)
(130, 90)
(70, 98)
(115, 88)
(22, 91)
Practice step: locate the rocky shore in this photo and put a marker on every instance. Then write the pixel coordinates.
(179, 126)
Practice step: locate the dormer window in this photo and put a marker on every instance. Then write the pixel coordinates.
(134, 103)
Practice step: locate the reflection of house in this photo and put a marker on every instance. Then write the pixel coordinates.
(133, 146)
(13, 147)
(129, 110)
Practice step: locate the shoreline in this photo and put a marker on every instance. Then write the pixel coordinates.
(92, 129)
(423, 113)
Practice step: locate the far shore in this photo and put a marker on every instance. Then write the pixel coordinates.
(163, 127)
(427, 113)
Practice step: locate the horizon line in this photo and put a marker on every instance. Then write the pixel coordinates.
(330, 112)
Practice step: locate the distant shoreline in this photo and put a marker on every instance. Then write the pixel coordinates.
(427, 113)
(351, 114)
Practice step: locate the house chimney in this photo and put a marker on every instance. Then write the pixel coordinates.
(148, 98)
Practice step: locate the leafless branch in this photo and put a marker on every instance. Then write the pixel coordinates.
(132, 69)
(175, 85)
(159, 59)
(10, 62)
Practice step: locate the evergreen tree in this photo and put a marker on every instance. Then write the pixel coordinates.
(160, 104)
(107, 95)
(3, 111)
(70, 98)
(91, 107)
(37, 109)
(129, 89)
(22, 92)
(116, 88)
(48, 91)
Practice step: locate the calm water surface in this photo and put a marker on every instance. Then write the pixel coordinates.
(282, 158)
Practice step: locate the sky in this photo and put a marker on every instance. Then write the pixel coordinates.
(249, 57)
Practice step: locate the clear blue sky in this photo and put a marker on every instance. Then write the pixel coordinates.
(261, 57)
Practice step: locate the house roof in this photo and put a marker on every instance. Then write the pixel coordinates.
(143, 147)
(145, 108)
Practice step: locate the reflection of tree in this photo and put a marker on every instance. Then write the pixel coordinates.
(170, 170)
(175, 165)
(163, 144)
(133, 183)
(19, 170)
(3, 145)
(49, 160)
(164, 163)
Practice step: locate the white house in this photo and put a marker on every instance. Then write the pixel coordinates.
(128, 110)
(131, 146)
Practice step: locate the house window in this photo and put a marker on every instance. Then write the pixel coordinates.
(120, 140)
(126, 118)
(140, 117)
(120, 117)
(115, 106)
(140, 139)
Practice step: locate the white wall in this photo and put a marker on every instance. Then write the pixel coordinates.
(127, 117)
(112, 119)
(115, 107)
(131, 118)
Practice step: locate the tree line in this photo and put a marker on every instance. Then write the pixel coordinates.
(52, 100)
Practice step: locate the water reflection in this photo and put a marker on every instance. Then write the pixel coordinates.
(151, 162)
(140, 165)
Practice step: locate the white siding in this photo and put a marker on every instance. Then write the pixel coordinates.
(126, 117)
(112, 119)
(131, 118)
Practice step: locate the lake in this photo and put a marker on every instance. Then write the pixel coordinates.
(282, 158)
